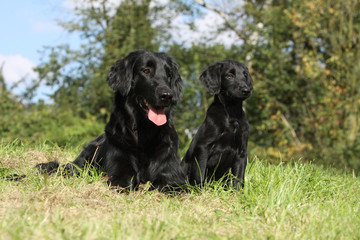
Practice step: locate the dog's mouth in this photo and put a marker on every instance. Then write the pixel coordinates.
(155, 114)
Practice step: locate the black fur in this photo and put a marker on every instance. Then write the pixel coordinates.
(133, 149)
(220, 143)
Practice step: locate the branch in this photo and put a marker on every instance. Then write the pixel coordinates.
(105, 14)
(2, 78)
(224, 16)
(292, 131)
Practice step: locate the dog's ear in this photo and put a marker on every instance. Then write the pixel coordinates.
(176, 80)
(211, 77)
(120, 76)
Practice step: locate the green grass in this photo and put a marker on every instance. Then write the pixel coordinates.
(284, 201)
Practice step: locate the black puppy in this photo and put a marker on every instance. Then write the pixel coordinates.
(220, 144)
(140, 143)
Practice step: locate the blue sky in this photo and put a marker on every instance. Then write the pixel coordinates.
(28, 26)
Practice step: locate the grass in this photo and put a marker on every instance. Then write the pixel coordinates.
(284, 201)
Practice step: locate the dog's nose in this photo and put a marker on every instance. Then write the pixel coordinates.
(166, 96)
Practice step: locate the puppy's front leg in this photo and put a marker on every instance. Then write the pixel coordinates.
(239, 172)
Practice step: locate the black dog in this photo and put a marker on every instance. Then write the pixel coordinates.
(220, 144)
(140, 143)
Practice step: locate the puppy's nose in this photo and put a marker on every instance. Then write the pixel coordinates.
(246, 91)
(166, 96)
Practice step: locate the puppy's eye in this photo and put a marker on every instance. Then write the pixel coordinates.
(230, 76)
(147, 71)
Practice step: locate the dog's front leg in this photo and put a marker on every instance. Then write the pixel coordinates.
(121, 168)
(165, 172)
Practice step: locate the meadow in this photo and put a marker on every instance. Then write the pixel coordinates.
(290, 200)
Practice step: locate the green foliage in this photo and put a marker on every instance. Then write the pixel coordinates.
(34, 123)
(306, 62)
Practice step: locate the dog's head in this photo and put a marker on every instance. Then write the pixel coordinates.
(150, 79)
(228, 77)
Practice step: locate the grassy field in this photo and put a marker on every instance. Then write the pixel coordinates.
(284, 201)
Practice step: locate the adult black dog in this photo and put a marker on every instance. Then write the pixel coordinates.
(220, 143)
(140, 143)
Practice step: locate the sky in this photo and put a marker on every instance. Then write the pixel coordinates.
(27, 26)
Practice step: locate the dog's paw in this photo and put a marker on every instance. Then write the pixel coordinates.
(47, 168)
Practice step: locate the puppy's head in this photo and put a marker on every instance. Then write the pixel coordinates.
(149, 79)
(228, 77)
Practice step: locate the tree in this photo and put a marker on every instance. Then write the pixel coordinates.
(3, 88)
(9, 106)
(329, 59)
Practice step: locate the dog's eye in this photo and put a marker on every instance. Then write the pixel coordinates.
(230, 76)
(146, 70)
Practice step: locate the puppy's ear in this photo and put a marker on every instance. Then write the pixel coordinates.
(120, 77)
(211, 78)
(248, 74)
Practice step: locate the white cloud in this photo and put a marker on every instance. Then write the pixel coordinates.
(205, 30)
(71, 5)
(46, 27)
(157, 3)
(17, 67)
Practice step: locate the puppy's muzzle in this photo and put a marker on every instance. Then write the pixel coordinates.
(246, 92)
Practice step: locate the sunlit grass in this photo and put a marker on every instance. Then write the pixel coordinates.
(285, 201)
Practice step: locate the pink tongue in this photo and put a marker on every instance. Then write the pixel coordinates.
(157, 116)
